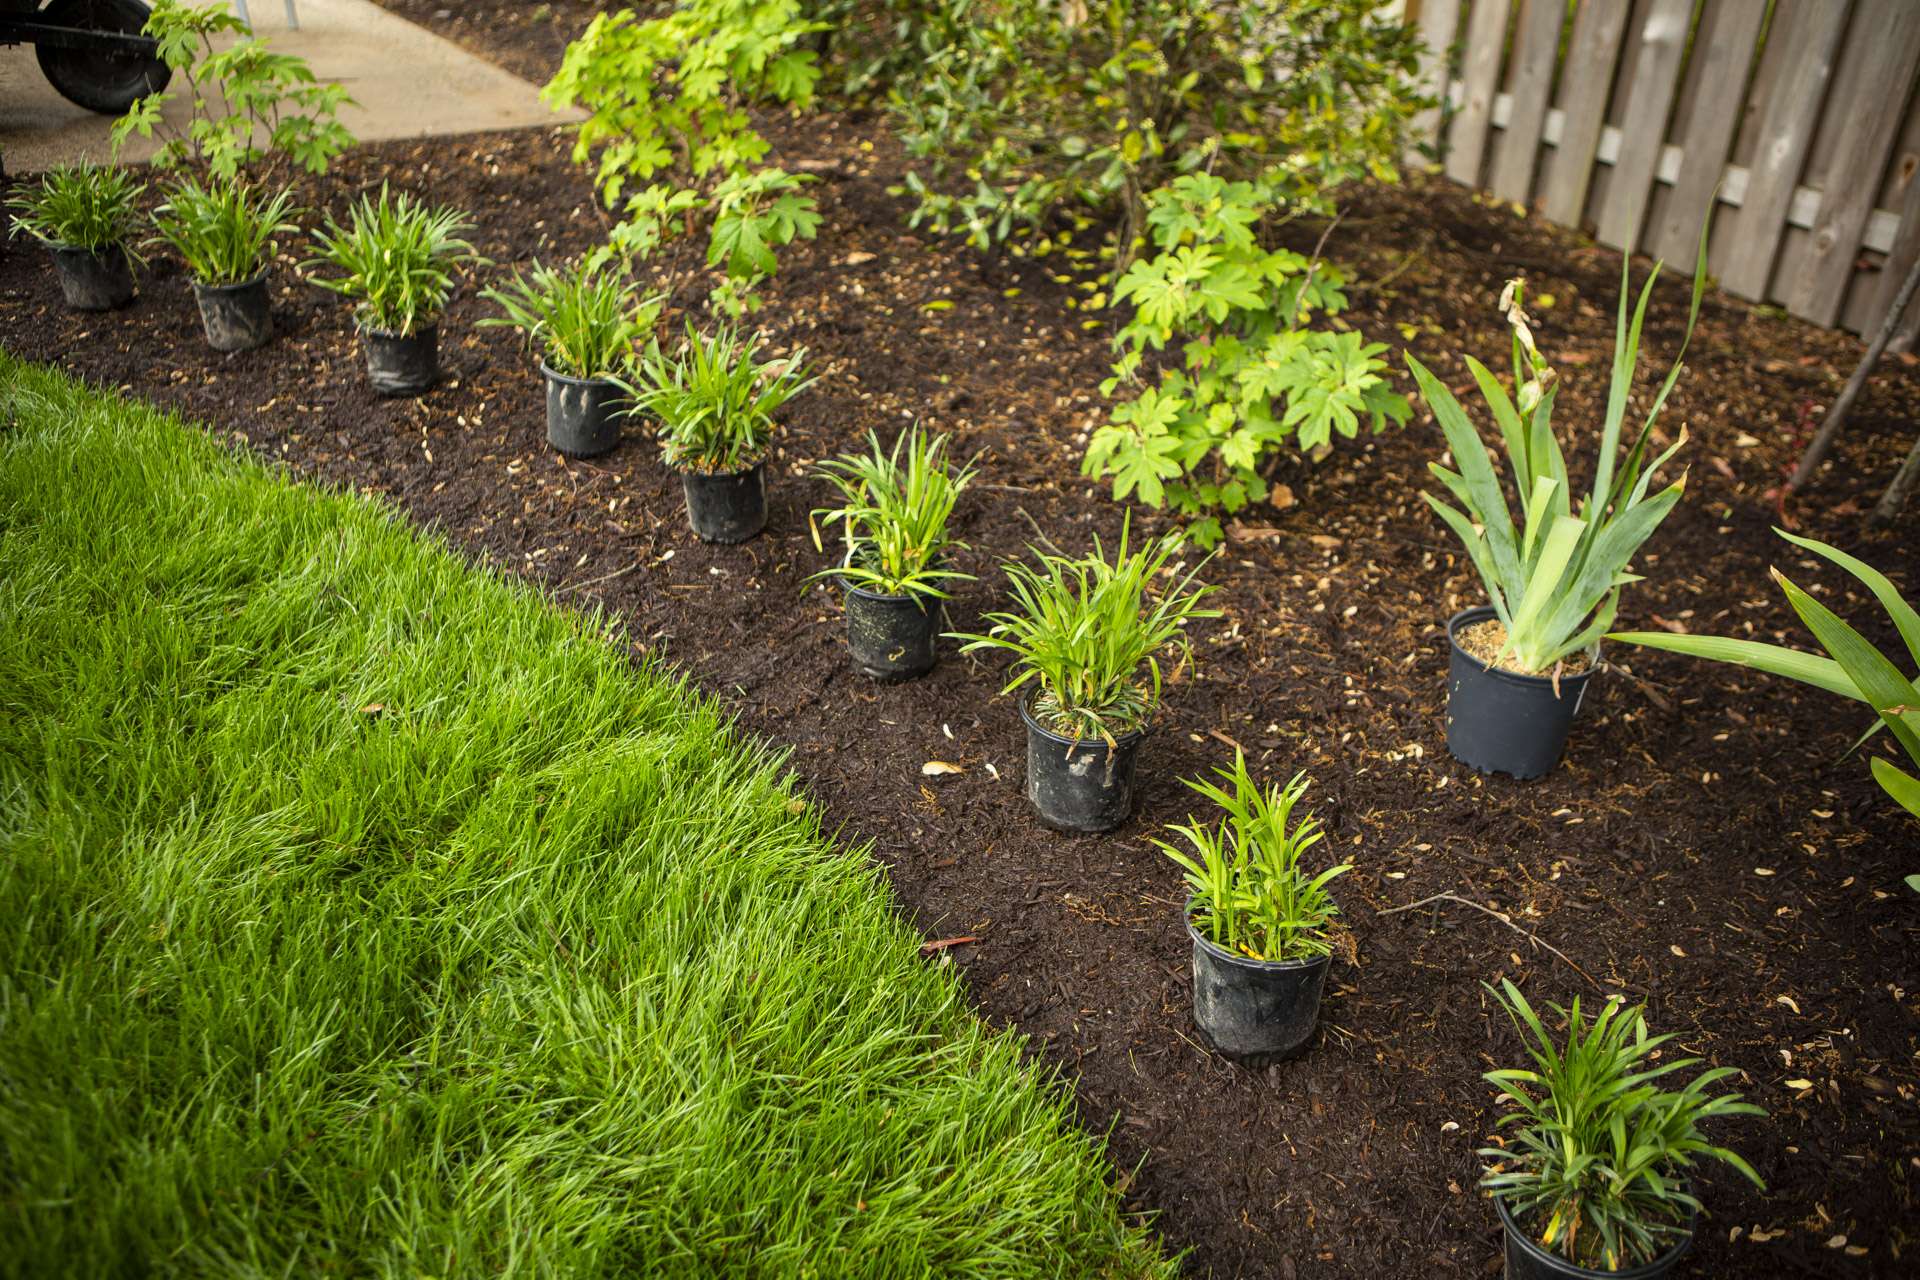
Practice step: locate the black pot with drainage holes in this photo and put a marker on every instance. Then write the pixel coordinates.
(402, 364)
(237, 317)
(1528, 1259)
(1254, 1011)
(891, 637)
(1502, 721)
(1080, 785)
(583, 414)
(730, 507)
(93, 281)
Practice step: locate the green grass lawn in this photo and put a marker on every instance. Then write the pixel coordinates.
(364, 915)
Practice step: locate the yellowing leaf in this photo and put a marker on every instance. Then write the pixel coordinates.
(934, 768)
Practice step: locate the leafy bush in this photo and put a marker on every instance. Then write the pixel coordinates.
(224, 230)
(716, 400)
(1254, 377)
(667, 102)
(1038, 106)
(1599, 1155)
(1249, 894)
(81, 206)
(584, 321)
(398, 260)
(1555, 582)
(893, 513)
(1089, 633)
(1854, 668)
(237, 95)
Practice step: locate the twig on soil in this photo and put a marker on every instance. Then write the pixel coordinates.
(1503, 918)
(941, 944)
(575, 586)
(1038, 532)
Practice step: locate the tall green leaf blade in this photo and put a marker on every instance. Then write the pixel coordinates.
(1883, 589)
(1483, 498)
(1886, 690)
(1755, 655)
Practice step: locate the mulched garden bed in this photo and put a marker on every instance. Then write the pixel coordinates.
(1704, 847)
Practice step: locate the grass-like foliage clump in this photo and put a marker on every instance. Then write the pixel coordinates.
(1250, 895)
(715, 398)
(584, 320)
(81, 206)
(398, 260)
(893, 514)
(366, 916)
(1597, 1155)
(1089, 634)
(223, 230)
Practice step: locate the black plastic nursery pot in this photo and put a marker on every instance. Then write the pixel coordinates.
(1080, 785)
(93, 281)
(237, 317)
(727, 508)
(1527, 1259)
(1502, 721)
(402, 364)
(583, 414)
(1254, 1011)
(891, 637)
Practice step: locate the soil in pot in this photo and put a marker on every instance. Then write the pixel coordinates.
(1254, 1011)
(1527, 1259)
(727, 508)
(94, 281)
(402, 364)
(583, 414)
(891, 637)
(1501, 721)
(237, 317)
(1081, 785)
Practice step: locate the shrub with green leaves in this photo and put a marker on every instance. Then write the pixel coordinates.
(1597, 1155)
(398, 259)
(1250, 896)
(715, 399)
(223, 230)
(81, 206)
(1853, 667)
(893, 514)
(1022, 109)
(1554, 575)
(667, 103)
(237, 97)
(585, 320)
(1089, 634)
(1253, 376)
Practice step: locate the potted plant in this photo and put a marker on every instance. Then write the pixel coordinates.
(1088, 636)
(1592, 1179)
(397, 260)
(1853, 667)
(893, 514)
(715, 401)
(1520, 664)
(586, 325)
(86, 215)
(224, 232)
(1258, 921)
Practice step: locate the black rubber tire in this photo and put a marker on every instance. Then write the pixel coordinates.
(95, 79)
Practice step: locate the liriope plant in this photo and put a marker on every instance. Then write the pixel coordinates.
(893, 514)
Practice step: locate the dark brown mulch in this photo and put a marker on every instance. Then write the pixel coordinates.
(1704, 847)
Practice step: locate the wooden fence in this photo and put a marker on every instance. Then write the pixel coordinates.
(1629, 118)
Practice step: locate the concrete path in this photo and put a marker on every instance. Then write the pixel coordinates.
(408, 82)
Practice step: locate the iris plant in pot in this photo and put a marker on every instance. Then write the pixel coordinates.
(893, 513)
(587, 326)
(715, 401)
(398, 260)
(86, 214)
(1088, 637)
(225, 232)
(1257, 919)
(1852, 667)
(1520, 664)
(1592, 1177)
